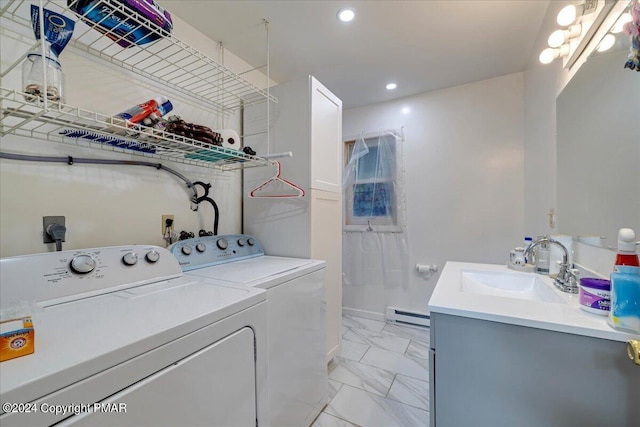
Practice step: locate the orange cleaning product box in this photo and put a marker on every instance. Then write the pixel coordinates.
(17, 338)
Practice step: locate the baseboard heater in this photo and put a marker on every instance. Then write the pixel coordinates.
(407, 317)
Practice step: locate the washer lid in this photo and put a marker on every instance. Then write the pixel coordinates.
(77, 339)
(254, 269)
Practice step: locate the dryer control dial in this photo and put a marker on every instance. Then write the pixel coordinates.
(251, 241)
(201, 247)
(242, 242)
(82, 264)
(222, 244)
(152, 256)
(130, 259)
(186, 249)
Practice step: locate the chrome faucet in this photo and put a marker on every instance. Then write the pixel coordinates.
(567, 279)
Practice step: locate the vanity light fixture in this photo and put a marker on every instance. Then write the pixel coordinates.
(572, 13)
(569, 14)
(346, 14)
(565, 41)
(391, 86)
(549, 54)
(560, 37)
(606, 43)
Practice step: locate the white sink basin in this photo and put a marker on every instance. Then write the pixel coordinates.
(525, 286)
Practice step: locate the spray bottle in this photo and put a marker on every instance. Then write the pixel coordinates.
(624, 313)
(627, 254)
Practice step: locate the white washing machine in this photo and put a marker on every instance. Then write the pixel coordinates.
(296, 313)
(123, 337)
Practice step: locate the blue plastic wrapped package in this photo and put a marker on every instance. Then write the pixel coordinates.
(58, 29)
(624, 313)
(126, 22)
(57, 32)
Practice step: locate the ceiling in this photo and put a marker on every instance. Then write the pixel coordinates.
(421, 45)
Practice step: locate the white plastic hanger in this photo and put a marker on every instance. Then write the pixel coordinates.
(276, 182)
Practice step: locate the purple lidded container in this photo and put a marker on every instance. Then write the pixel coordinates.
(595, 295)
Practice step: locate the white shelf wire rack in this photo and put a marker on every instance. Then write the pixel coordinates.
(76, 126)
(167, 63)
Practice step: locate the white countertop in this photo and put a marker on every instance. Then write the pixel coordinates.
(449, 298)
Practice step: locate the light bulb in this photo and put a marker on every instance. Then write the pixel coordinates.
(606, 43)
(346, 15)
(406, 110)
(391, 86)
(624, 18)
(547, 56)
(567, 15)
(557, 38)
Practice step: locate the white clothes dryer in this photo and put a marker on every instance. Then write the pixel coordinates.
(124, 338)
(296, 313)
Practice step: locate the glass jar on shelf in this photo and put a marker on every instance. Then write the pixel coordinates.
(33, 78)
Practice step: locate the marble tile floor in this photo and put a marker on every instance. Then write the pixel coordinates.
(380, 378)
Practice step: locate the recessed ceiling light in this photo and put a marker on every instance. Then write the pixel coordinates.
(391, 86)
(346, 15)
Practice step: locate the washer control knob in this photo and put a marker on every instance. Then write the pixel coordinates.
(186, 249)
(242, 242)
(222, 243)
(130, 258)
(82, 264)
(251, 241)
(201, 247)
(152, 256)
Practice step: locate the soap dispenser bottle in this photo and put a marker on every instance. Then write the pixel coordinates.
(627, 248)
(543, 257)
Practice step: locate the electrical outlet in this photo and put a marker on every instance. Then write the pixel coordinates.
(47, 221)
(164, 223)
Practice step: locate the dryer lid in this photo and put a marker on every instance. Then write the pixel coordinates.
(251, 270)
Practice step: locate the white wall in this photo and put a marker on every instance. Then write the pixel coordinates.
(108, 205)
(540, 149)
(542, 83)
(464, 157)
(460, 233)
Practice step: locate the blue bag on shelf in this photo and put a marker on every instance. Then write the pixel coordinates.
(127, 22)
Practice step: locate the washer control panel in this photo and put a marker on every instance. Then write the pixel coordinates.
(67, 275)
(206, 251)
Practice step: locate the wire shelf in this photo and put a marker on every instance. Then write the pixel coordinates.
(168, 61)
(76, 126)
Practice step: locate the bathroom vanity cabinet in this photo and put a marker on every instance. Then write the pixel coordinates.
(485, 373)
(503, 356)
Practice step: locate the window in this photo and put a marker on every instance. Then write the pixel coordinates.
(371, 184)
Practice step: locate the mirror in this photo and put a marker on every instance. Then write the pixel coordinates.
(598, 148)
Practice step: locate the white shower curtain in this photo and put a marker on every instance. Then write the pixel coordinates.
(374, 239)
